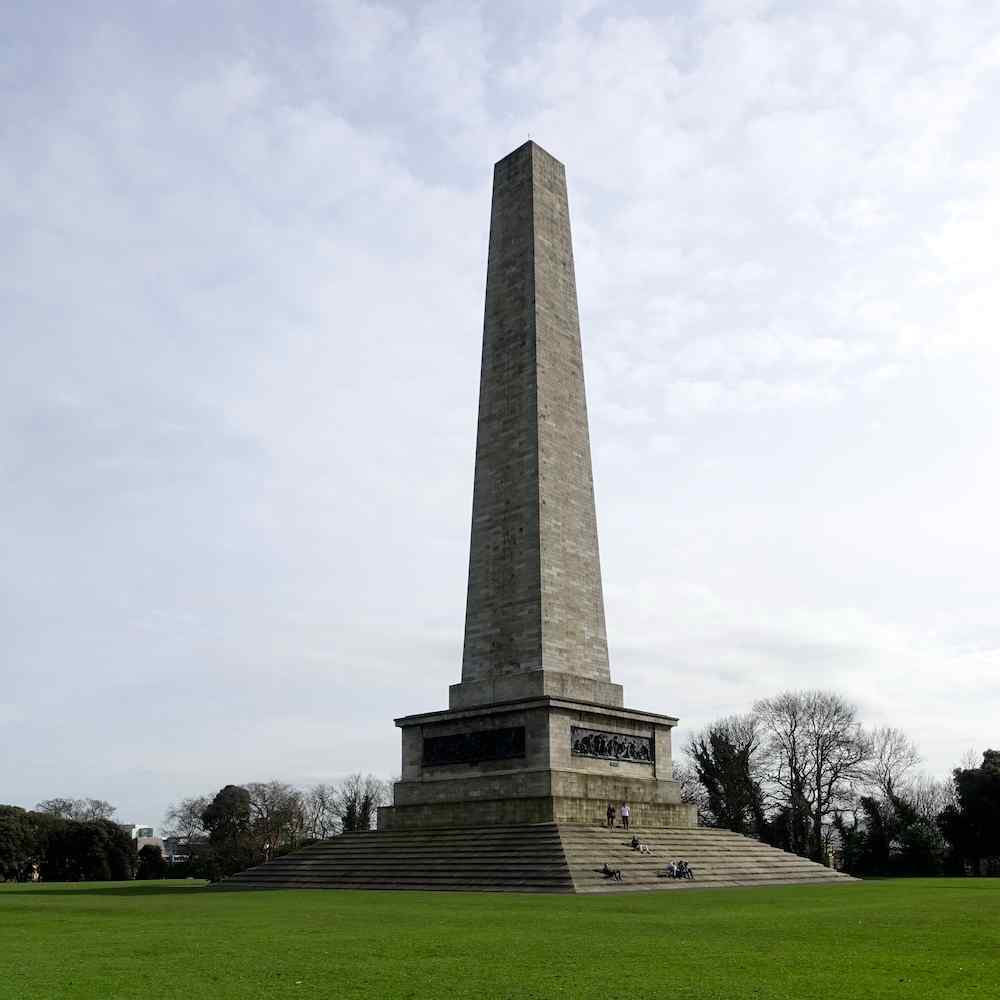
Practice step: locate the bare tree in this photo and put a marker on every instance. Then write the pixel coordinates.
(692, 790)
(358, 799)
(929, 796)
(276, 815)
(62, 808)
(818, 751)
(894, 756)
(787, 761)
(81, 810)
(320, 805)
(184, 820)
(89, 810)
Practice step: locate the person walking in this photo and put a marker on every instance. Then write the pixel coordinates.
(625, 813)
(611, 816)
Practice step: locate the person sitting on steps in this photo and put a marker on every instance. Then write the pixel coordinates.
(615, 874)
(638, 845)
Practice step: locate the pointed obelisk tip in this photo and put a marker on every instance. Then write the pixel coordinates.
(529, 148)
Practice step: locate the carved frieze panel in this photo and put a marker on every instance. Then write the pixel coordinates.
(473, 748)
(611, 746)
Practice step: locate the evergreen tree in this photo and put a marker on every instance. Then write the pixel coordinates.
(972, 825)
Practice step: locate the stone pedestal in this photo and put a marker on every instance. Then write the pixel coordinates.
(536, 760)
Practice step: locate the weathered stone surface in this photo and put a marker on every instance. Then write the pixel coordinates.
(492, 795)
(542, 809)
(535, 606)
(543, 857)
(535, 660)
(548, 783)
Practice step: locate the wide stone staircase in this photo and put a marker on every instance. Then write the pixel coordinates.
(718, 858)
(499, 859)
(543, 857)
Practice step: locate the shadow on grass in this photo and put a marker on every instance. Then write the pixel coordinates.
(96, 889)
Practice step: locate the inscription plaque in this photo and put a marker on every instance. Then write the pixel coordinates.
(611, 746)
(472, 748)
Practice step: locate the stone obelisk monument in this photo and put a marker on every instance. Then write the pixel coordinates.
(536, 731)
(534, 621)
(535, 742)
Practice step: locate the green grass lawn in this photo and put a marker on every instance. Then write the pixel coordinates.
(159, 940)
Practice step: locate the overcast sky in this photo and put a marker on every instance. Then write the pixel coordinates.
(243, 263)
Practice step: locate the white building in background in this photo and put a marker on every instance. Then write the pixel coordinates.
(142, 835)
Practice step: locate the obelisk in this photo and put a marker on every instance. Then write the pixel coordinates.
(534, 621)
(535, 732)
(495, 790)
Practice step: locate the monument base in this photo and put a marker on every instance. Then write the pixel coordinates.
(536, 760)
(517, 812)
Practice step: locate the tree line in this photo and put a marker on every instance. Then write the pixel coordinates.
(802, 773)
(245, 825)
(799, 771)
(69, 840)
(64, 840)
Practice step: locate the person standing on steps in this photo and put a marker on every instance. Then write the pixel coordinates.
(611, 816)
(625, 813)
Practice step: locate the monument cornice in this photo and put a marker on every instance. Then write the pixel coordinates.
(525, 704)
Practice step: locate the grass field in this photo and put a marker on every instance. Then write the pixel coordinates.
(161, 940)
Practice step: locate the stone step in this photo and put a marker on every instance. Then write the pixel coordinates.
(583, 864)
(719, 858)
(596, 857)
(443, 867)
(741, 876)
(566, 889)
(652, 861)
(531, 858)
(443, 880)
(444, 859)
(709, 876)
(472, 849)
(622, 887)
(510, 861)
